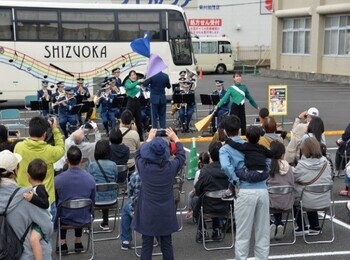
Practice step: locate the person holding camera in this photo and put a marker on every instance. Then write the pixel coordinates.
(155, 211)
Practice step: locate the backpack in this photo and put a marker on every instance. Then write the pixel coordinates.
(11, 247)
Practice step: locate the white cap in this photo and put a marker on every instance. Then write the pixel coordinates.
(313, 111)
(9, 160)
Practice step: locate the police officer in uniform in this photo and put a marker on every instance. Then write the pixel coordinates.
(224, 109)
(66, 111)
(44, 95)
(81, 94)
(57, 95)
(186, 109)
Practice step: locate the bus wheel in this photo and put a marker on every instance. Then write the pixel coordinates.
(220, 69)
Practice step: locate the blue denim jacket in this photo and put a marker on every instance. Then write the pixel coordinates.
(231, 160)
(110, 169)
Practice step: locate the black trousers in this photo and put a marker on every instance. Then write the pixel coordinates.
(239, 110)
(134, 106)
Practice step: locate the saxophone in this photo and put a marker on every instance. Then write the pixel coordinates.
(175, 108)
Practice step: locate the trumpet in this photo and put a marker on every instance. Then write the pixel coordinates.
(102, 95)
(62, 94)
(46, 95)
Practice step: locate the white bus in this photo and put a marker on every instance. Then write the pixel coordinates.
(213, 54)
(64, 41)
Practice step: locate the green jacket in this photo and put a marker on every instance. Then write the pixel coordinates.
(231, 92)
(30, 150)
(131, 88)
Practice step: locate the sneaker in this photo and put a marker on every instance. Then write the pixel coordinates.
(299, 232)
(125, 245)
(216, 235)
(314, 231)
(272, 231)
(279, 232)
(199, 236)
(78, 247)
(64, 249)
(104, 227)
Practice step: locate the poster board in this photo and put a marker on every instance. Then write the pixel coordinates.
(278, 100)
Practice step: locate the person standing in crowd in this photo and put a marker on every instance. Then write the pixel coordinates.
(219, 91)
(20, 213)
(66, 184)
(44, 95)
(116, 75)
(104, 99)
(238, 93)
(157, 85)
(56, 96)
(187, 108)
(155, 213)
(66, 111)
(35, 147)
(133, 88)
(81, 94)
(5, 143)
(252, 204)
(298, 130)
(104, 171)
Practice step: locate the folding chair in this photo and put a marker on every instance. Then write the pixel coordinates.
(215, 197)
(284, 190)
(78, 204)
(123, 170)
(178, 191)
(328, 205)
(12, 116)
(27, 100)
(111, 190)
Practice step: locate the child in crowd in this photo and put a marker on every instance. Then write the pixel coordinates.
(39, 197)
(281, 173)
(203, 159)
(255, 156)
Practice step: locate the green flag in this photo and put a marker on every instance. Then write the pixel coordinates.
(193, 164)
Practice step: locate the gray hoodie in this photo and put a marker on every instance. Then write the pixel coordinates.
(22, 214)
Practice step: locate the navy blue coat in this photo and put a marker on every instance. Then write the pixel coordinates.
(155, 211)
(158, 83)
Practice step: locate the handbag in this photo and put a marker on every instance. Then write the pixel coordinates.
(316, 178)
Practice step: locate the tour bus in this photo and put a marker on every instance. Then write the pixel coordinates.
(213, 54)
(65, 41)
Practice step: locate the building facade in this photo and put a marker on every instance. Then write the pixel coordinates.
(311, 36)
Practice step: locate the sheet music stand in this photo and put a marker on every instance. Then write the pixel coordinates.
(211, 100)
(120, 101)
(39, 105)
(76, 109)
(183, 98)
(86, 106)
(144, 101)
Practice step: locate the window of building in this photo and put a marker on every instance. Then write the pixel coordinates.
(337, 35)
(296, 35)
(6, 29)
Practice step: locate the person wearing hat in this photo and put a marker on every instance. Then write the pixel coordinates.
(20, 213)
(299, 129)
(224, 109)
(238, 93)
(66, 110)
(57, 95)
(157, 85)
(155, 211)
(82, 94)
(105, 98)
(44, 95)
(116, 75)
(182, 75)
(186, 109)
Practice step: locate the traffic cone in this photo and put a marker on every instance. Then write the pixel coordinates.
(193, 164)
(200, 77)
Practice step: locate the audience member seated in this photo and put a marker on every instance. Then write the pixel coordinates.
(86, 147)
(20, 213)
(281, 173)
(5, 143)
(340, 160)
(312, 168)
(75, 183)
(298, 130)
(315, 129)
(134, 186)
(211, 178)
(120, 153)
(131, 137)
(104, 170)
(269, 125)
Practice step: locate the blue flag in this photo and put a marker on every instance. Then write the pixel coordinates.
(141, 46)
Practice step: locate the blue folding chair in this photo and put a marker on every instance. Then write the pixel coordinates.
(11, 119)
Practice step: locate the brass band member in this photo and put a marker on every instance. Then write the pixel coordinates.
(57, 95)
(66, 110)
(224, 109)
(81, 94)
(186, 109)
(44, 95)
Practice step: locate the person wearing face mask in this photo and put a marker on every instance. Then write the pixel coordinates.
(224, 109)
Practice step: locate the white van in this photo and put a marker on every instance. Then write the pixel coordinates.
(213, 54)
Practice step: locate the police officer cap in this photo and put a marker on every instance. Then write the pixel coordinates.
(80, 80)
(111, 79)
(219, 82)
(69, 90)
(182, 73)
(60, 84)
(116, 69)
(44, 82)
(187, 84)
